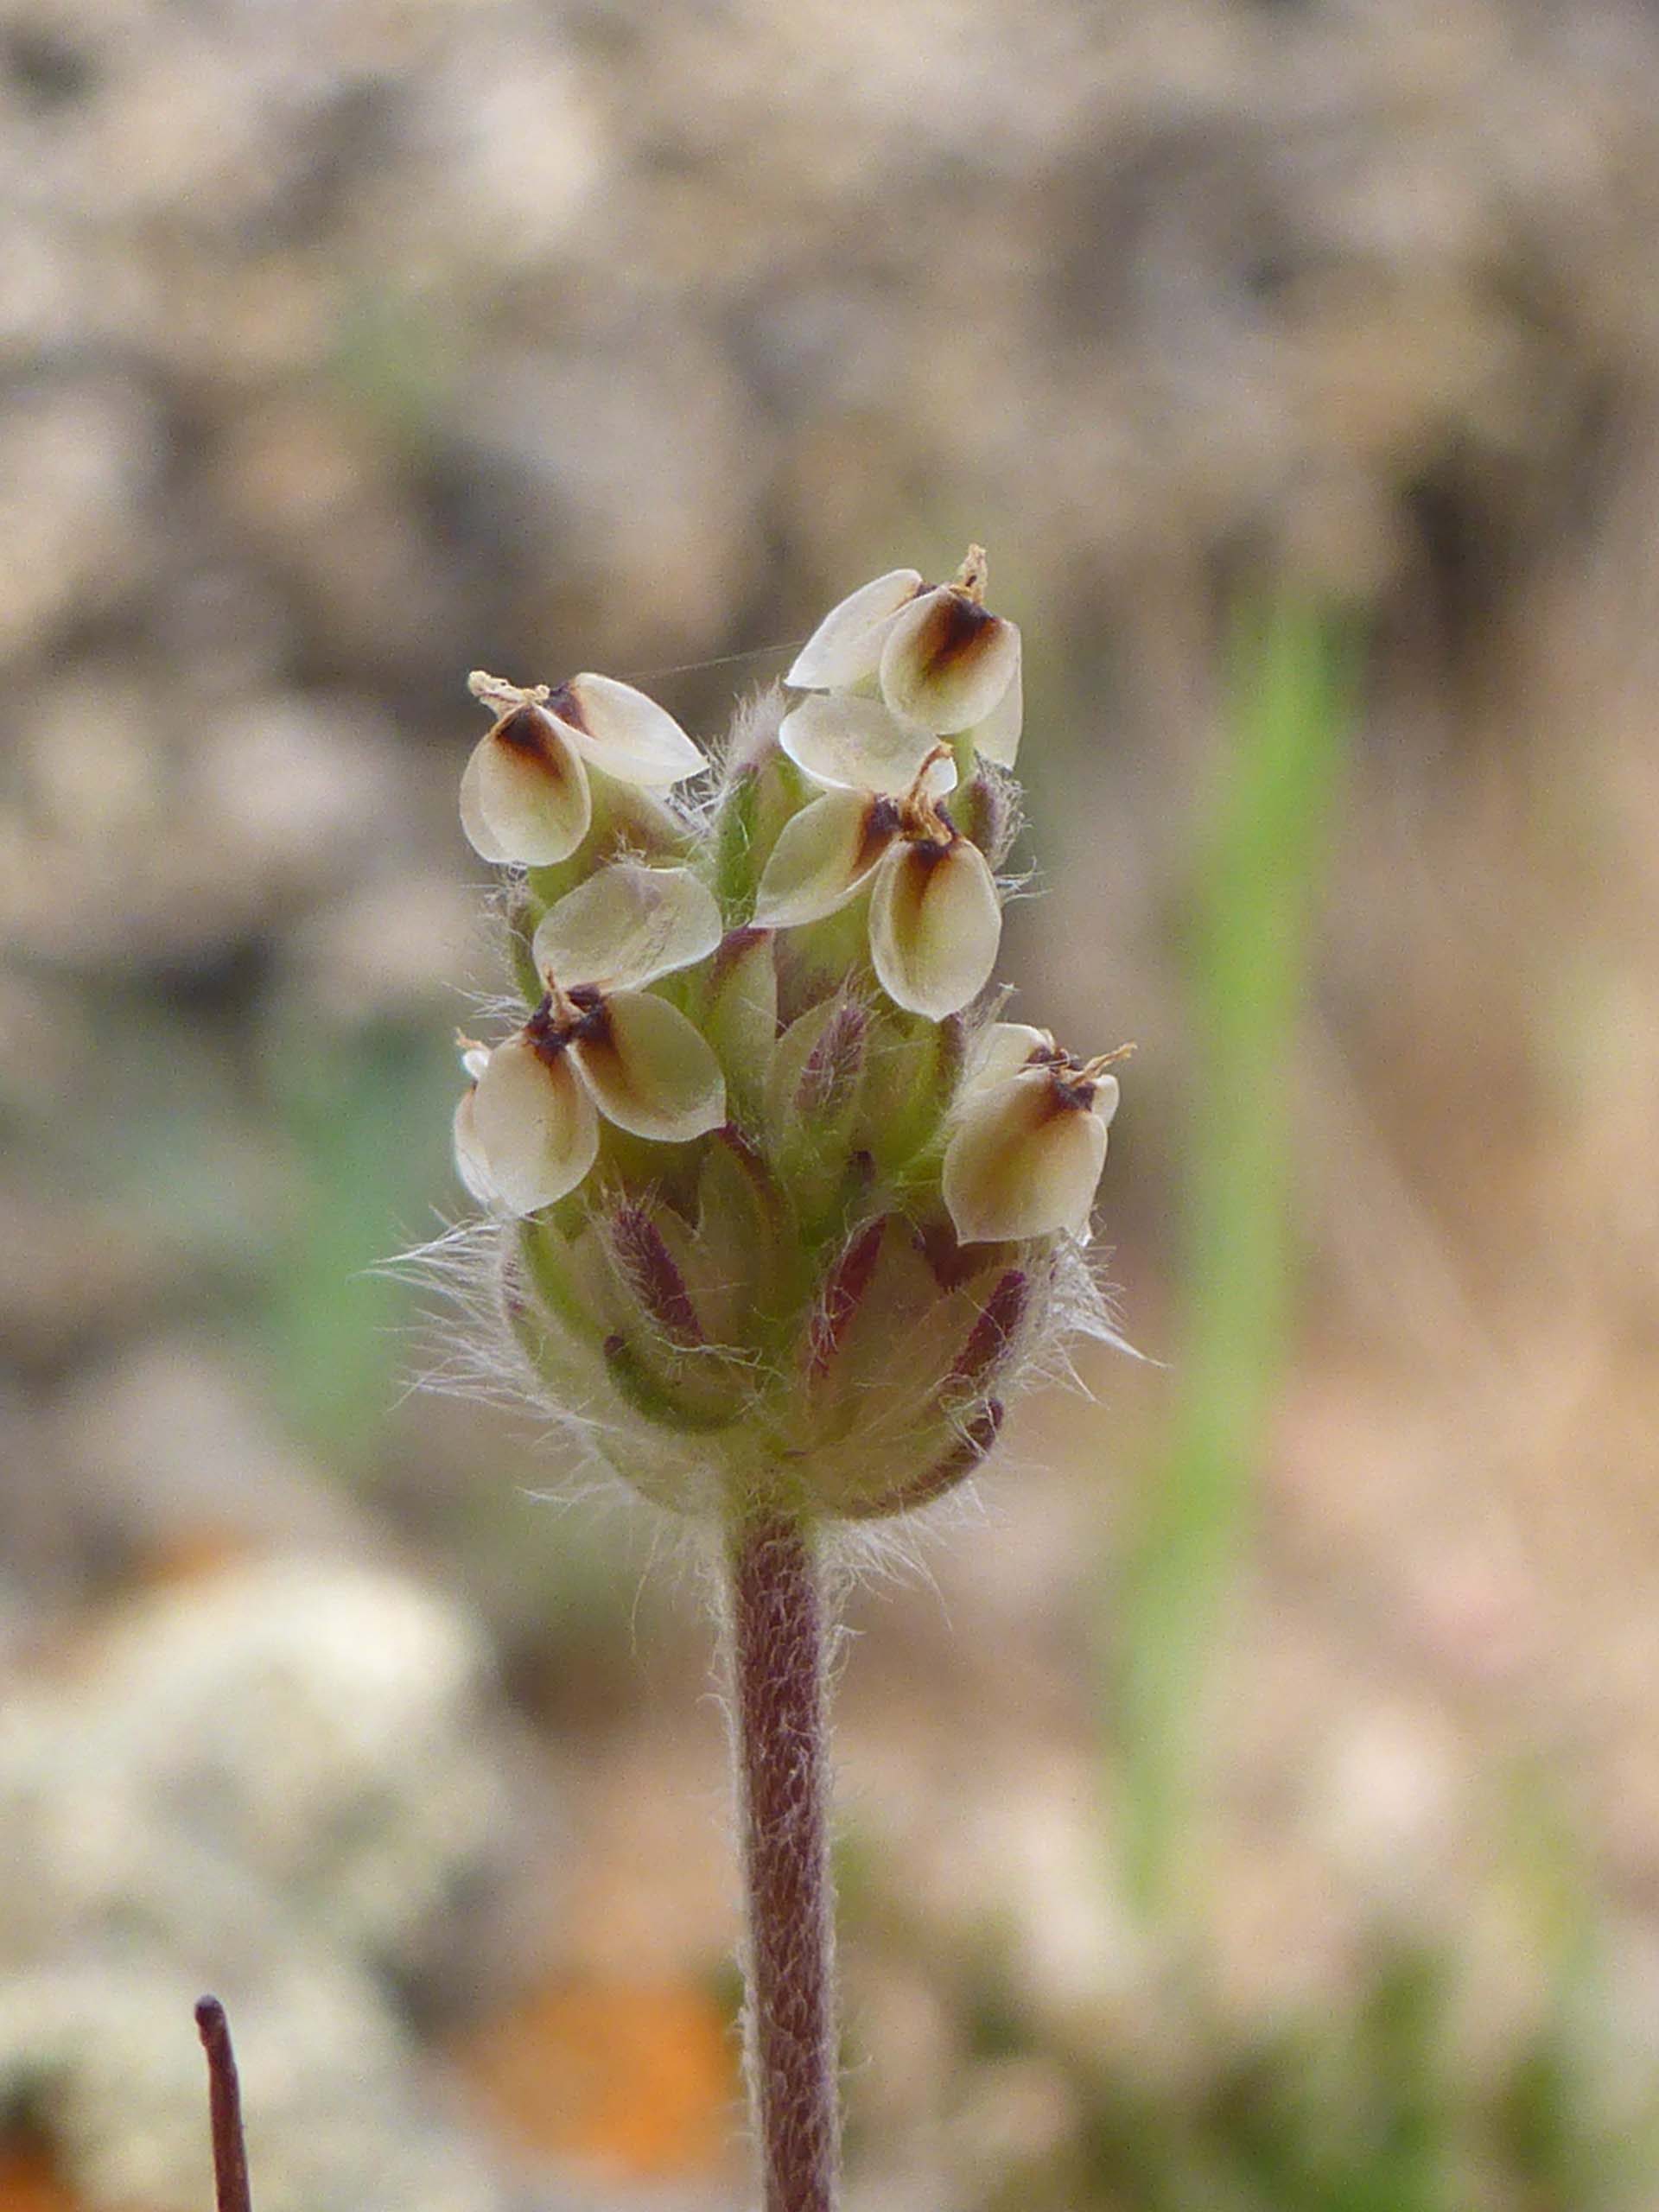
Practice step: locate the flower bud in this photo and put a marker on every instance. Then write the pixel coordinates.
(661, 1350)
(761, 790)
(914, 1067)
(812, 1105)
(524, 912)
(974, 1443)
(987, 810)
(740, 1016)
(746, 1236)
(900, 1368)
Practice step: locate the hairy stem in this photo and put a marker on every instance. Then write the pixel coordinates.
(779, 1635)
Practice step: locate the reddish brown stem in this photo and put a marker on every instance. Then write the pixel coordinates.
(778, 1633)
(230, 2191)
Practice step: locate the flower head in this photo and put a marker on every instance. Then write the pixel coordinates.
(526, 794)
(778, 1216)
(599, 1043)
(935, 920)
(933, 660)
(1028, 1138)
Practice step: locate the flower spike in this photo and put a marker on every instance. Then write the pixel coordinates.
(748, 1096)
(778, 1220)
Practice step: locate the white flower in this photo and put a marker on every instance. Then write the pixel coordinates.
(938, 663)
(599, 1043)
(1029, 1138)
(935, 917)
(525, 795)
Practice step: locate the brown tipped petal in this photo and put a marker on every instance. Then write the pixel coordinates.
(826, 852)
(626, 926)
(935, 925)
(628, 735)
(651, 1071)
(535, 1125)
(846, 647)
(1023, 1162)
(855, 744)
(479, 834)
(523, 794)
(947, 663)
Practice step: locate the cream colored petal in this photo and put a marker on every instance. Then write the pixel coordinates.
(626, 926)
(846, 647)
(523, 794)
(650, 1070)
(998, 736)
(534, 1124)
(1024, 1160)
(1002, 1049)
(947, 663)
(825, 853)
(860, 745)
(935, 925)
(470, 1164)
(623, 732)
(480, 836)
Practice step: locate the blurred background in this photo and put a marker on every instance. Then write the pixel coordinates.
(1251, 1799)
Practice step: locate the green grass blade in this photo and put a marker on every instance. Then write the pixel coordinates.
(1292, 684)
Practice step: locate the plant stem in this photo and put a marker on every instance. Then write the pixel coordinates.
(779, 1634)
(231, 2192)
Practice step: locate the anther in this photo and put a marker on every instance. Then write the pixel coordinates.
(973, 575)
(496, 691)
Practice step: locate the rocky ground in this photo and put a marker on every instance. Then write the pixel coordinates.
(348, 346)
